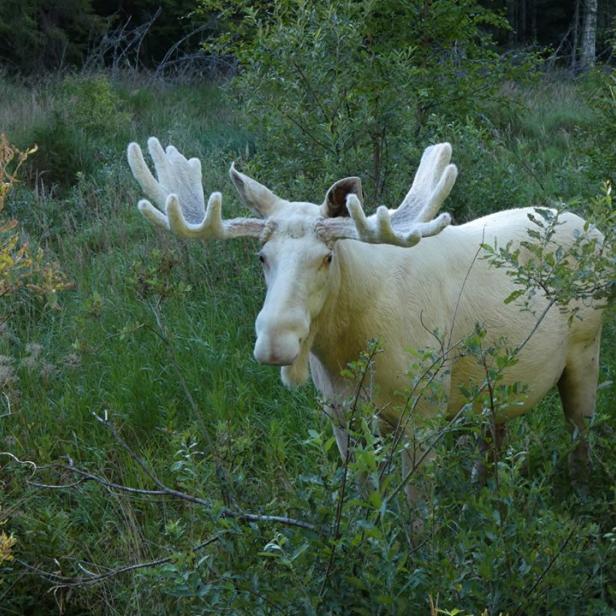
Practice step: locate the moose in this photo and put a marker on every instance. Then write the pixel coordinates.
(337, 278)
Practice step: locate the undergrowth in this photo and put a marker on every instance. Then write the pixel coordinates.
(157, 334)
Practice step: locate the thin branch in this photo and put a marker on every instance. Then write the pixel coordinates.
(105, 421)
(62, 581)
(413, 400)
(221, 472)
(464, 281)
(407, 412)
(21, 462)
(347, 459)
(426, 452)
(535, 328)
(8, 406)
(542, 575)
(313, 94)
(164, 490)
(87, 476)
(165, 61)
(303, 129)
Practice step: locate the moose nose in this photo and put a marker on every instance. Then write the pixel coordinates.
(279, 351)
(279, 340)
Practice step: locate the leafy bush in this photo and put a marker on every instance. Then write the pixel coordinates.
(158, 331)
(602, 153)
(23, 269)
(352, 91)
(87, 115)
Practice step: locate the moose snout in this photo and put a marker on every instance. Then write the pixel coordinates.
(279, 340)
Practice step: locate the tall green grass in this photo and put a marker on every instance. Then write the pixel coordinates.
(207, 419)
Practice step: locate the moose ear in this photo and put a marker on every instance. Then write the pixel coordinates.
(335, 199)
(257, 197)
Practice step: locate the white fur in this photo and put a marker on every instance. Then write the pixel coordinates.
(319, 315)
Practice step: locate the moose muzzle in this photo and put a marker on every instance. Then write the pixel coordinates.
(279, 339)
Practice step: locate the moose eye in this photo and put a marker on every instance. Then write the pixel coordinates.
(329, 257)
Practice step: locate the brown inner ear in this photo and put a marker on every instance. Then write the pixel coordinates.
(337, 194)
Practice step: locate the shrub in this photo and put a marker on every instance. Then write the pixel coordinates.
(601, 151)
(22, 268)
(87, 116)
(339, 88)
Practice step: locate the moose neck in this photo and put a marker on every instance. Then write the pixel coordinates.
(347, 321)
(384, 292)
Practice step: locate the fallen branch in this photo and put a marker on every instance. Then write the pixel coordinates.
(165, 491)
(63, 581)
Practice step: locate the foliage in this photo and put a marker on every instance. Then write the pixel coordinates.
(21, 267)
(85, 110)
(570, 277)
(603, 90)
(36, 35)
(345, 84)
(7, 543)
(158, 333)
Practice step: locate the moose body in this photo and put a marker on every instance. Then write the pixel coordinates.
(337, 279)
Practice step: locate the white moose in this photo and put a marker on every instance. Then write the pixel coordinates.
(336, 279)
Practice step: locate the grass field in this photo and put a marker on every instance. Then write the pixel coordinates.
(157, 333)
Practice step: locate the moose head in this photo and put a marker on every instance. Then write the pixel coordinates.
(300, 241)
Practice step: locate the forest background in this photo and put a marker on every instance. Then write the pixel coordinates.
(147, 463)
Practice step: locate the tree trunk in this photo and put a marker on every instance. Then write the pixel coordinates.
(589, 34)
(576, 26)
(533, 20)
(511, 17)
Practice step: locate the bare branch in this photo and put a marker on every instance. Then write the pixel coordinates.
(62, 581)
(542, 575)
(164, 490)
(347, 459)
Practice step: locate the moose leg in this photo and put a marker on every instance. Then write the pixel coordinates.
(411, 461)
(578, 391)
(490, 447)
(335, 412)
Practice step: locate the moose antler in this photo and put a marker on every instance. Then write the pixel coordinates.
(178, 194)
(413, 219)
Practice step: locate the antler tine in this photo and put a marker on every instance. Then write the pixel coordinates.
(432, 184)
(211, 227)
(143, 175)
(380, 228)
(414, 219)
(178, 193)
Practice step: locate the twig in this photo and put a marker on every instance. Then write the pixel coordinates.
(413, 400)
(21, 462)
(347, 459)
(163, 63)
(315, 98)
(221, 474)
(105, 421)
(63, 581)
(542, 575)
(464, 281)
(8, 406)
(407, 412)
(164, 490)
(534, 329)
(426, 452)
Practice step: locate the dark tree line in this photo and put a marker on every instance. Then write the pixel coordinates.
(579, 31)
(44, 35)
(47, 35)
